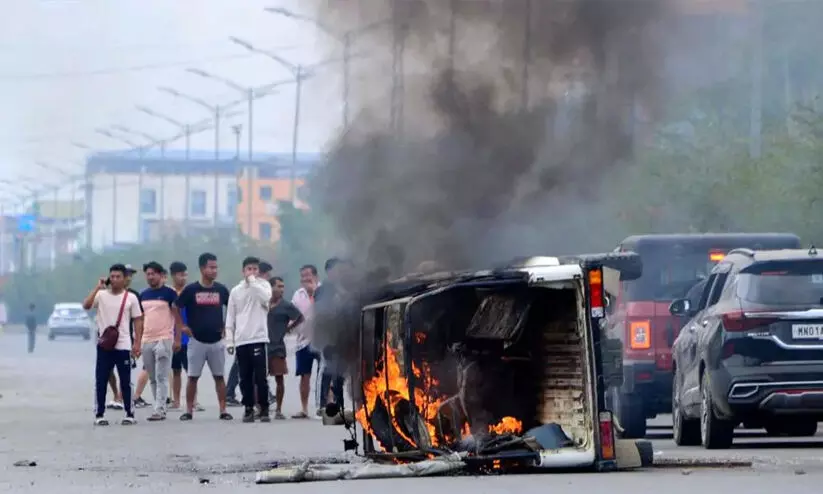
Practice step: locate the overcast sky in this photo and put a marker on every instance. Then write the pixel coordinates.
(68, 67)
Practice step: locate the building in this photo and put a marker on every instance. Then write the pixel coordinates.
(259, 207)
(145, 199)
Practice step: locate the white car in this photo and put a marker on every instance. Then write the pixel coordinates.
(69, 319)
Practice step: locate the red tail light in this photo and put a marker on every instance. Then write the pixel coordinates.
(606, 436)
(737, 321)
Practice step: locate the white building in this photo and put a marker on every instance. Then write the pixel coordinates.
(140, 200)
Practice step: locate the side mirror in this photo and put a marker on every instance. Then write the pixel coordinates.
(680, 307)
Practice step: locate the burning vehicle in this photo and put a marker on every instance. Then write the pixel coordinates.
(503, 368)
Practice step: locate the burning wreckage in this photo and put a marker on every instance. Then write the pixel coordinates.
(498, 370)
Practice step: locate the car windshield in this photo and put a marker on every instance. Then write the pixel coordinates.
(783, 283)
(668, 277)
(69, 312)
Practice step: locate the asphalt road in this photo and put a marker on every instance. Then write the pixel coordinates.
(46, 417)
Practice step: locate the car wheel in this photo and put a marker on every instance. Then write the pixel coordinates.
(630, 415)
(685, 431)
(795, 428)
(715, 433)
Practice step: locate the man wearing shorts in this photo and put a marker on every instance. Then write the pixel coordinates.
(305, 356)
(203, 302)
(283, 317)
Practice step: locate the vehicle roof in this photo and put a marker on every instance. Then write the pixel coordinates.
(716, 240)
(777, 255)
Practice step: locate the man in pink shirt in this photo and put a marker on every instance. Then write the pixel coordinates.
(160, 340)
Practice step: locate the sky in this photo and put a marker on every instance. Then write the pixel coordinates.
(70, 67)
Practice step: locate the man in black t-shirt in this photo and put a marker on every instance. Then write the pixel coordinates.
(203, 302)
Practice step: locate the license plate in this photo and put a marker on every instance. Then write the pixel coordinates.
(807, 331)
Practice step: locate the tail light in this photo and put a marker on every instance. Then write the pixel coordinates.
(596, 292)
(737, 321)
(640, 335)
(606, 436)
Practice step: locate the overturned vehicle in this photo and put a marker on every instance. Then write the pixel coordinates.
(507, 368)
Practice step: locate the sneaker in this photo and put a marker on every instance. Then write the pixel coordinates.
(320, 412)
(128, 420)
(141, 403)
(279, 416)
(186, 417)
(232, 402)
(101, 421)
(264, 416)
(199, 408)
(156, 417)
(115, 405)
(248, 415)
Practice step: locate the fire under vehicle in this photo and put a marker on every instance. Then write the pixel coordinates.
(506, 368)
(674, 267)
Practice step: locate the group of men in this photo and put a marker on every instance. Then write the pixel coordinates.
(189, 326)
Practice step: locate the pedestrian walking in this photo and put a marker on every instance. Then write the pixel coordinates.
(116, 308)
(31, 327)
(203, 302)
(248, 336)
(117, 402)
(160, 340)
(305, 356)
(283, 317)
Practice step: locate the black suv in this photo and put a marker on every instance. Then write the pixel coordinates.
(752, 349)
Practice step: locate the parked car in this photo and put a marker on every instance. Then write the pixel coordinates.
(751, 351)
(673, 267)
(69, 319)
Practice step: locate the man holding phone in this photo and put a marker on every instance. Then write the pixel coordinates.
(117, 309)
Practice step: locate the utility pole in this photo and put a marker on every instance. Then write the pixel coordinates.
(756, 118)
(527, 54)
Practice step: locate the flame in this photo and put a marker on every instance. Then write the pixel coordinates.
(507, 425)
(391, 387)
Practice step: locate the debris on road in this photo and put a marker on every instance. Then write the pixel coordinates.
(25, 463)
(308, 472)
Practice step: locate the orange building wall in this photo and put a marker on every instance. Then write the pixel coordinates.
(261, 211)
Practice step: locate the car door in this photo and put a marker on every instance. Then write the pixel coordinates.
(687, 361)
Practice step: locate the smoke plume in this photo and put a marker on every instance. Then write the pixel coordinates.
(505, 115)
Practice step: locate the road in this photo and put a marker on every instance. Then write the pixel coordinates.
(46, 417)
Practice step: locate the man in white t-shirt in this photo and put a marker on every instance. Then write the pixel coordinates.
(116, 307)
(305, 356)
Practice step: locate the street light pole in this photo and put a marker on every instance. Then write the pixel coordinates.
(299, 75)
(216, 112)
(347, 39)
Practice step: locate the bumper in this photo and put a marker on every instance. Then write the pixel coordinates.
(769, 390)
(70, 331)
(654, 386)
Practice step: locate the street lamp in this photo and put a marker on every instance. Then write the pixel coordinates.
(346, 38)
(299, 76)
(216, 111)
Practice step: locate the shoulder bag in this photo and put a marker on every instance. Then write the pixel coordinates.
(108, 338)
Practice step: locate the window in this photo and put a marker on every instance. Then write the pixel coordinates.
(198, 203)
(787, 283)
(233, 198)
(265, 193)
(148, 201)
(265, 231)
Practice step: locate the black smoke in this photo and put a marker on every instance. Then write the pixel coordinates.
(475, 172)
